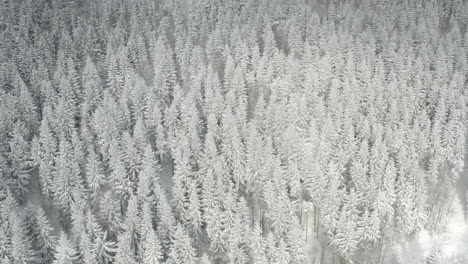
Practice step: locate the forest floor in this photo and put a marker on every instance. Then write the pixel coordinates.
(452, 243)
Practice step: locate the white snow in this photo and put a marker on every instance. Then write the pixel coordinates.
(452, 243)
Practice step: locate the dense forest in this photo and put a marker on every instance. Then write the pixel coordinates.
(228, 131)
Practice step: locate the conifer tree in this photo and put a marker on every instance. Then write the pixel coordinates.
(65, 251)
(42, 239)
(181, 249)
(20, 160)
(87, 250)
(233, 149)
(68, 185)
(92, 90)
(21, 248)
(105, 249)
(125, 250)
(153, 252)
(94, 174)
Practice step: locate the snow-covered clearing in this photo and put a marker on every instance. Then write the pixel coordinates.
(451, 244)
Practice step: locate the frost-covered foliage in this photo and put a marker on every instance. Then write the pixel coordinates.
(247, 131)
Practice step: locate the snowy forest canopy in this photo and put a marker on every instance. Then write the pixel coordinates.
(243, 131)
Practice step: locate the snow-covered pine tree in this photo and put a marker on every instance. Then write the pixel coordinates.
(43, 150)
(125, 249)
(233, 149)
(92, 85)
(40, 232)
(21, 247)
(94, 175)
(66, 252)
(87, 251)
(152, 253)
(182, 250)
(19, 158)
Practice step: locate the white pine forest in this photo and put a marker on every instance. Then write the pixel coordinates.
(229, 131)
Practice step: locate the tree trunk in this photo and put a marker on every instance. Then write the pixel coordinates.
(380, 249)
(383, 256)
(322, 255)
(306, 226)
(262, 220)
(441, 210)
(301, 201)
(40, 189)
(172, 166)
(434, 202)
(315, 218)
(317, 229)
(253, 212)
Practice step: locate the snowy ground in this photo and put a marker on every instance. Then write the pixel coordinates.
(452, 243)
